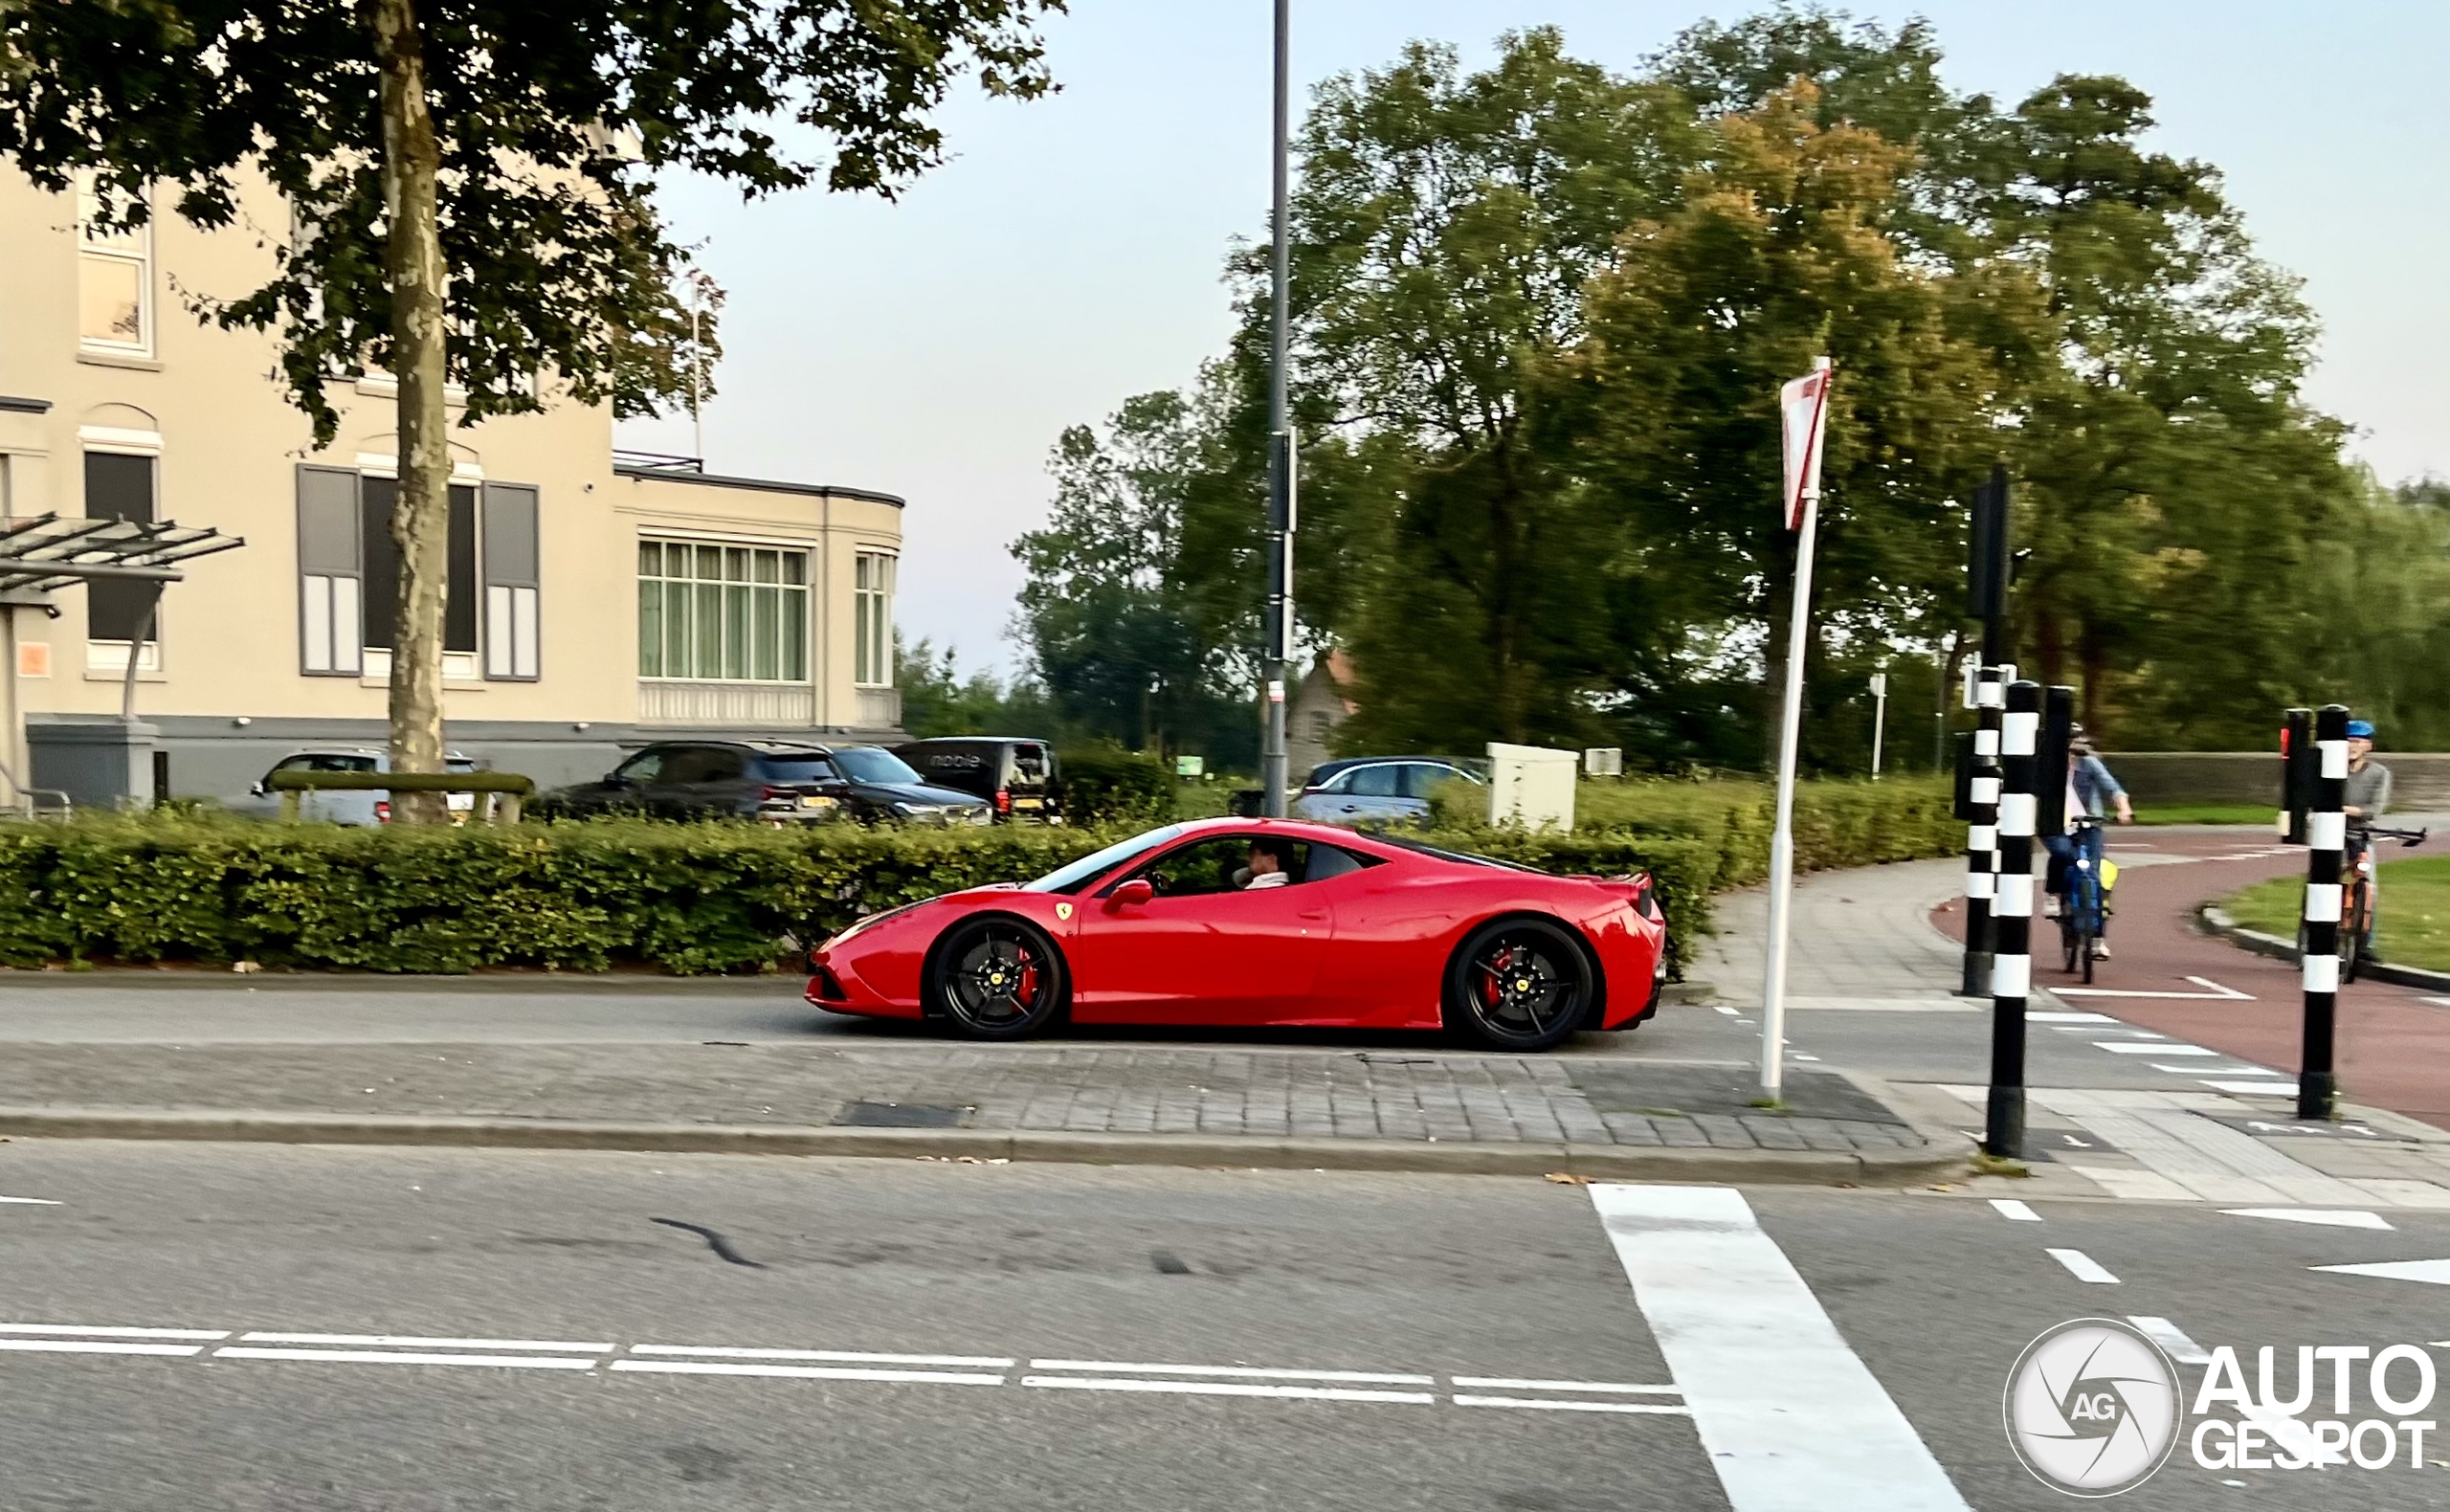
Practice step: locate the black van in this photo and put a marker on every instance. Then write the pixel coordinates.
(1016, 777)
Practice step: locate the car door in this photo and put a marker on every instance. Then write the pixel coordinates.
(717, 783)
(1415, 782)
(1358, 793)
(1203, 951)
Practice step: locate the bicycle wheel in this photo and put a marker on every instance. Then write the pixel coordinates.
(2070, 943)
(2354, 922)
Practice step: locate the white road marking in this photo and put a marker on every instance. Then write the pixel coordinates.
(1500, 1383)
(2171, 1337)
(2129, 1047)
(804, 1372)
(2256, 1089)
(2336, 1218)
(2226, 994)
(1724, 1008)
(2069, 1018)
(115, 1333)
(2011, 1207)
(1245, 1372)
(2084, 1267)
(509, 1361)
(1793, 1420)
(2438, 1002)
(395, 1341)
(1316, 1393)
(2436, 1272)
(96, 1346)
(33, 1202)
(846, 1356)
(2215, 1071)
(1565, 1405)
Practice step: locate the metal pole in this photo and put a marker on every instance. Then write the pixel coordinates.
(2012, 916)
(1880, 717)
(697, 378)
(2327, 838)
(1782, 837)
(1278, 651)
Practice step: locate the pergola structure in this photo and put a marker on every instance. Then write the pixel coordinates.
(42, 552)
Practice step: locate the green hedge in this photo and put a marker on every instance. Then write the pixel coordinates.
(1108, 785)
(718, 897)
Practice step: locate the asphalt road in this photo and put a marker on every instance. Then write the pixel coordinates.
(978, 1281)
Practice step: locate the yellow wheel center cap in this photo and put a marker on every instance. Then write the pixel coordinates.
(1522, 984)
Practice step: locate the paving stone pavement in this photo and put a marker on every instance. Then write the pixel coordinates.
(1431, 1096)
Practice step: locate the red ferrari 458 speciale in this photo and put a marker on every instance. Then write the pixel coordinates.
(1264, 923)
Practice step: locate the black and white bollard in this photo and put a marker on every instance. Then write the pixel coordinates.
(1982, 833)
(2326, 841)
(2012, 921)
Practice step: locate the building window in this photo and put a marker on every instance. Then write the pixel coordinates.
(723, 614)
(114, 280)
(349, 576)
(119, 486)
(511, 582)
(872, 605)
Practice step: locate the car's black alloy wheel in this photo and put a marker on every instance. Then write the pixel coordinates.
(1519, 983)
(996, 979)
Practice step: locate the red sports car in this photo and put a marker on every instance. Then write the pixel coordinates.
(1254, 922)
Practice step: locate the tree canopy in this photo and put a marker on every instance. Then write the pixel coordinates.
(1541, 312)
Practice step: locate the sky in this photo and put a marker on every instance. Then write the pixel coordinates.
(1070, 253)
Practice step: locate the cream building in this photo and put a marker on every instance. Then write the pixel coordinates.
(596, 601)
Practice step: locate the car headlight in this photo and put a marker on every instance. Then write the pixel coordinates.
(907, 808)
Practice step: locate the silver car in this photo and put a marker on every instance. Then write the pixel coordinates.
(351, 808)
(1395, 787)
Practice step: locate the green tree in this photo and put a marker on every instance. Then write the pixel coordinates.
(472, 186)
(1112, 619)
(1776, 253)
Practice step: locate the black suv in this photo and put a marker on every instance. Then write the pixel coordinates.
(774, 782)
(1015, 777)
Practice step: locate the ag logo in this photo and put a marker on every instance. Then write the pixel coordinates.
(2092, 1407)
(1062, 910)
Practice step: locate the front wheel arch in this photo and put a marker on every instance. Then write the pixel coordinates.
(929, 1010)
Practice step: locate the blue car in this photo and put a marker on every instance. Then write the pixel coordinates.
(1376, 788)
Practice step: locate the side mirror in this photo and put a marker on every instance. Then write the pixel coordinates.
(258, 789)
(1131, 894)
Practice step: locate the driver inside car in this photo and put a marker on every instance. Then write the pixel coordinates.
(1266, 866)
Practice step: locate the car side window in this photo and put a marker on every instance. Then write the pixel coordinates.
(693, 763)
(646, 766)
(1333, 860)
(724, 765)
(1372, 782)
(1421, 778)
(1205, 868)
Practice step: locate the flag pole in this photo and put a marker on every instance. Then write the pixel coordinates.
(1802, 489)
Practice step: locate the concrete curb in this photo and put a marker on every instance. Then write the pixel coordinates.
(2212, 920)
(1529, 1158)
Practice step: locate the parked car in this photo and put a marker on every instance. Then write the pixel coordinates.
(1375, 788)
(1183, 926)
(365, 806)
(772, 782)
(1016, 777)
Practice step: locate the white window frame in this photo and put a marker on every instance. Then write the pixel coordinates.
(872, 588)
(110, 656)
(806, 588)
(132, 248)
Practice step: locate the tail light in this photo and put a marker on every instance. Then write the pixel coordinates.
(382, 810)
(1645, 893)
(779, 795)
(1003, 800)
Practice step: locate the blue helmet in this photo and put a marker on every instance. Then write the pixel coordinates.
(2360, 729)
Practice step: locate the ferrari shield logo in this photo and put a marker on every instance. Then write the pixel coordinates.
(1062, 910)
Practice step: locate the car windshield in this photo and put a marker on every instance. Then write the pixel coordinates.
(873, 764)
(1089, 868)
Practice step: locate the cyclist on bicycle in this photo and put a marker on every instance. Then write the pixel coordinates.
(2368, 799)
(2089, 787)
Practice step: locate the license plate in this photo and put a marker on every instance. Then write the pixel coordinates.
(1029, 803)
(812, 802)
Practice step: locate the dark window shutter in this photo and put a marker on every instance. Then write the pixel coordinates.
(119, 487)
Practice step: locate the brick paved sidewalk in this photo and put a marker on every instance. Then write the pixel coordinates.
(1430, 1097)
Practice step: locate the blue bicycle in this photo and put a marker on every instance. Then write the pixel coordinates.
(2084, 910)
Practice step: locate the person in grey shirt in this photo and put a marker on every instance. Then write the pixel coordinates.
(2368, 781)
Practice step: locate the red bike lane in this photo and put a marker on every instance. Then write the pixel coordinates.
(2394, 1046)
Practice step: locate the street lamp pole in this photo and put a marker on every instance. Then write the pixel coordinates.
(1279, 649)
